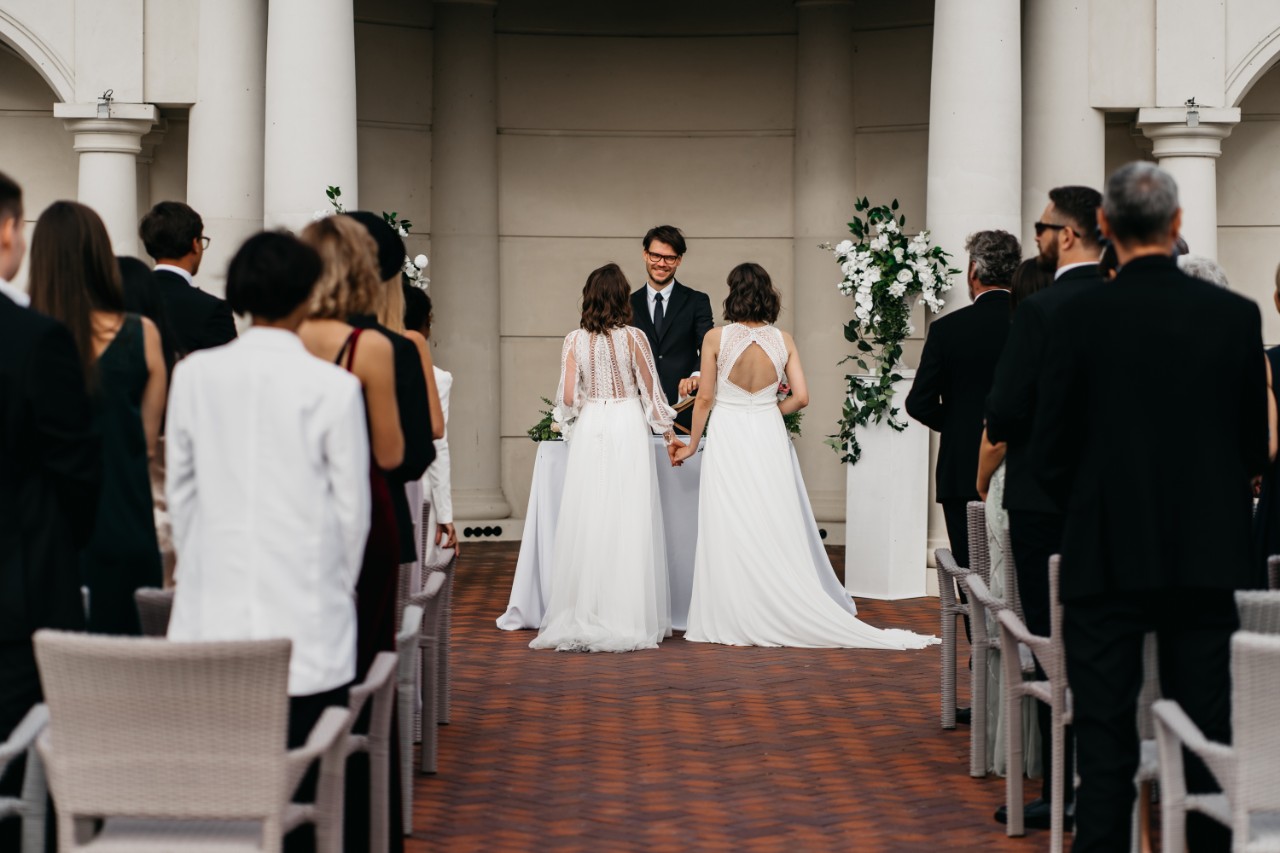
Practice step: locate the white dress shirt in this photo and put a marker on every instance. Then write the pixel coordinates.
(268, 484)
(1060, 271)
(19, 297)
(651, 292)
(178, 271)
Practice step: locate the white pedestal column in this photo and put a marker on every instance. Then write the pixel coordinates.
(974, 179)
(226, 136)
(1190, 155)
(310, 136)
(108, 149)
(464, 248)
(146, 157)
(824, 197)
(886, 529)
(1063, 136)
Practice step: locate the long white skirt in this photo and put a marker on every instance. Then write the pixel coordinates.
(755, 582)
(609, 588)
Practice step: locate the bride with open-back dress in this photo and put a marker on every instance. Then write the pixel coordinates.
(609, 586)
(755, 581)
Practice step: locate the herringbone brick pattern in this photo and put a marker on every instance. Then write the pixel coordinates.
(696, 747)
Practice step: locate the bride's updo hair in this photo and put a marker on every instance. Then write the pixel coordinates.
(751, 298)
(606, 300)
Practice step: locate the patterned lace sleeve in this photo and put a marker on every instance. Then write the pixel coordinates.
(568, 399)
(659, 414)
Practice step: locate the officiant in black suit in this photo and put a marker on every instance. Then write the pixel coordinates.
(1157, 499)
(173, 235)
(674, 317)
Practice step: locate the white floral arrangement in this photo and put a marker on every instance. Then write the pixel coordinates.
(884, 270)
(413, 268)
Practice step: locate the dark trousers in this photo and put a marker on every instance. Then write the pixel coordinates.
(956, 513)
(304, 711)
(1036, 536)
(1104, 640)
(19, 691)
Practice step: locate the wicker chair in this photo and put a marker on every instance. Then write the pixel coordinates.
(30, 805)
(951, 609)
(1053, 691)
(444, 689)
(1248, 770)
(178, 746)
(1259, 610)
(407, 675)
(431, 600)
(154, 606)
(379, 685)
(1148, 756)
(1273, 572)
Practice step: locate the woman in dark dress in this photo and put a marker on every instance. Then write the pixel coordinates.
(74, 279)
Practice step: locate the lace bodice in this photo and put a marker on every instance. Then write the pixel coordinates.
(613, 366)
(734, 341)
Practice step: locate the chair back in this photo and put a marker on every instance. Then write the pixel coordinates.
(1273, 572)
(1150, 692)
(154, 606)
(979, 553)
(1011, 594)
(1255, 695)
(407, 643)
(1259, 610)
(157, 729)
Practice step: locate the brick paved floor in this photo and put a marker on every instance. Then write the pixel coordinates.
(697, 747)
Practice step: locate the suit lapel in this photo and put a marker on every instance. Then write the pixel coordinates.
(640, 315)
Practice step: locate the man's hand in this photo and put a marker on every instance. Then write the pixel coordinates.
(688, 387)
(447, 536)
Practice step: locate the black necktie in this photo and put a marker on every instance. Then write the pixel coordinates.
(657, 313)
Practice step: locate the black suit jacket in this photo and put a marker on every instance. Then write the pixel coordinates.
(415, 423)
(949, 393)
(199, 320)
(678, 350)
(1152, 421)
(50, 472)
(1011, 405)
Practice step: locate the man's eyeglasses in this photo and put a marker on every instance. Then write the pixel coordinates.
(664, 260)
(1042, 227)
(205, 241)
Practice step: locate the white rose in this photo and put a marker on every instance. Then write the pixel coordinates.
(897, 289)
(873, 275)
(420, 261)
(904, 275)
(844, 247)
(849, 268)
(897, 254)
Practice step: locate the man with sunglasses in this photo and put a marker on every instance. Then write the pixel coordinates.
(675, 317)
(1067, 237)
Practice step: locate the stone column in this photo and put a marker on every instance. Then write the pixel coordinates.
(146, 157)
(464, 246)
(1063, 136)
(225, 146)
(823, 198)
(310, 135)
(1190, 153)
(974, 179)
(108, 149)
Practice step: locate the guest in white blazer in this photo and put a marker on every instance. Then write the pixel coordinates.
(268, 483)
(437, 482)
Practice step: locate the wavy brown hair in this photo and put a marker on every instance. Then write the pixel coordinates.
(751, 296)
(74, 273)
(350, 283)
(606, 300)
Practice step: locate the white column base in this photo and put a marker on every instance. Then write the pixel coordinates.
(479, 504)
(887, 512)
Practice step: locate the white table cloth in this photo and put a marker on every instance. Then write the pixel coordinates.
(678, 487)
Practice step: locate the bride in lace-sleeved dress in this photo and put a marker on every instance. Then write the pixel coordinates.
(755, 581)
(609, 588)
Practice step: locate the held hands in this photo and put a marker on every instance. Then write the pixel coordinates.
(688, 386)
(680, 452)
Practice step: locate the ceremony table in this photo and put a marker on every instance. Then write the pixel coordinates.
(678, 492)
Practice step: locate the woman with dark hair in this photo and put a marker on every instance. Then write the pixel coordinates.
(1030, 277)
(609, 568)
(74, 279)
(755, 583)
(437, 484)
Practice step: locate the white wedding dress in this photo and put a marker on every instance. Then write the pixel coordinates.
(609, 587)
(755, 581)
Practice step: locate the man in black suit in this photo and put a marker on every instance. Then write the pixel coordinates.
(1067, 237)
(173, 235)
(1158, 505)
(674, 317)
(49, 479)
(956, 368)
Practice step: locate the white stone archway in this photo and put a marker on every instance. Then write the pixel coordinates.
(1264, 54)
(53, 68)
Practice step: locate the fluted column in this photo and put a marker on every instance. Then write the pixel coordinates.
(1063, 136)
(824, 198)
(974, 179)
(1190, 154)
(108, 175)
(146, 157)
(464, 246)
(310, 108)
(225, 146)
